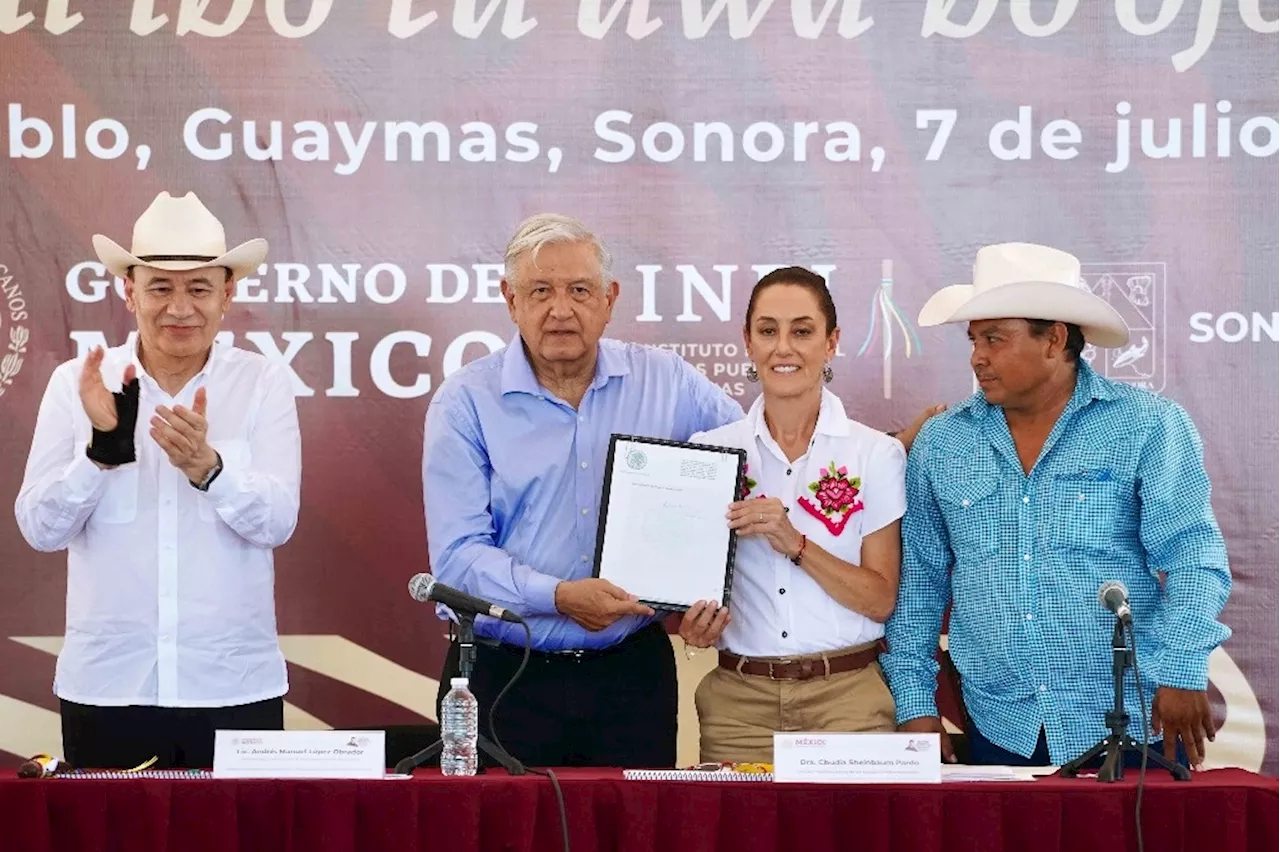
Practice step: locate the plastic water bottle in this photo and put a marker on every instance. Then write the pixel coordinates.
(459, 724)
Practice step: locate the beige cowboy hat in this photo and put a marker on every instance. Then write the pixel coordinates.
(179, 234)
(1028, 281)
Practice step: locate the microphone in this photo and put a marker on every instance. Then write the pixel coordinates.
(424, 587)
(1115, 596)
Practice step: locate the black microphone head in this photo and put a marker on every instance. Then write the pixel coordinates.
(420, 586)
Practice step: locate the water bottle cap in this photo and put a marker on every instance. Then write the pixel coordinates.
(458, 682)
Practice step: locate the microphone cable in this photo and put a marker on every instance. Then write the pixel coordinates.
(493, 734)
(1146, 734)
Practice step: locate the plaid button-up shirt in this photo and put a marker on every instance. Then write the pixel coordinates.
(1119, 492)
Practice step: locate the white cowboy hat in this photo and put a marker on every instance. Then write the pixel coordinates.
(1027, 281)
(179, 234)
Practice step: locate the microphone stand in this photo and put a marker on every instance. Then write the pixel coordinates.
(1116, 744)
(466, 664)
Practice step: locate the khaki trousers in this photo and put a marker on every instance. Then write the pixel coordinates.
(739, 713)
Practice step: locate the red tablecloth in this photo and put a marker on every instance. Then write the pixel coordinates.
(1219, 811)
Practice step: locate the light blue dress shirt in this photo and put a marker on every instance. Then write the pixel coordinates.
(512, 476)
(1119, 492)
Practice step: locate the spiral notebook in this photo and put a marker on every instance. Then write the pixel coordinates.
(694, 775)
(162, 774)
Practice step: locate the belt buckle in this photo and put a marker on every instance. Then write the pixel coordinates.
(780, 663)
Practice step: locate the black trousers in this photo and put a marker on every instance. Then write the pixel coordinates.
(611, 708)
(181, 737)
(983, 751)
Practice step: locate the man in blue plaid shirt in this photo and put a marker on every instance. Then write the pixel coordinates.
(1023, 500)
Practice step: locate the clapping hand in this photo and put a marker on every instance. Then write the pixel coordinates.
(100, 403)
(182, 433)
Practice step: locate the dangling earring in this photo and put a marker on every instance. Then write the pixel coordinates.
(827, 373)
(752, 375)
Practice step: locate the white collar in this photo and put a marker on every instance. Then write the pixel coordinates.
(831, 418)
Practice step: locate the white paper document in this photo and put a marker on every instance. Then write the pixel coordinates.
(664, 536)
(961, 772)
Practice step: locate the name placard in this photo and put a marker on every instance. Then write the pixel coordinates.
(299, 754)
(846, 758)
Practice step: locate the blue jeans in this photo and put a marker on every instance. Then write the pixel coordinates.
(984, 752)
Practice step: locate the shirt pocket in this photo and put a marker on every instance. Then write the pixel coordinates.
(1085, 514)
(119, 501)
(971, 509)
(235, 456)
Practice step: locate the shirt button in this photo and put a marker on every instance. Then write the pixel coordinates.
(784, 634)
(965, 502)
(1026, 499)
(782, 591)
(1026, 557)
(584, 557)
(1030, 617)
(1044, 688)
(788, 471)
(584, 465)
(582, 418)
(584, 511)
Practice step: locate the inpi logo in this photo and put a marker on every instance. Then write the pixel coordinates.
(636, 459)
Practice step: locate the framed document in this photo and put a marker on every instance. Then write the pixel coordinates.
(663, 535)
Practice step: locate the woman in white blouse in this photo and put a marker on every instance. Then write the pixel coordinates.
(819, 546)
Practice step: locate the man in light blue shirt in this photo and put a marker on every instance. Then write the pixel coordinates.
(513, 464)
(1022, 501)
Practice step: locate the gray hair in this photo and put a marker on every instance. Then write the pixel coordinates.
(543, 228)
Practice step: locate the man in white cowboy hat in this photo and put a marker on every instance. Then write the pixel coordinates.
(1023, 501)
(169, 496)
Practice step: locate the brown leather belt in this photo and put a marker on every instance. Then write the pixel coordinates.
(801, 669)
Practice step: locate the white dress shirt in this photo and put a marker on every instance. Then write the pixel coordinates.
(170, 590)
(778, 609)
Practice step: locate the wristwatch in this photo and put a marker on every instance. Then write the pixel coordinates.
(203, 485)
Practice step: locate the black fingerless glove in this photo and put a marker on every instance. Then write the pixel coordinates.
(116, 447)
